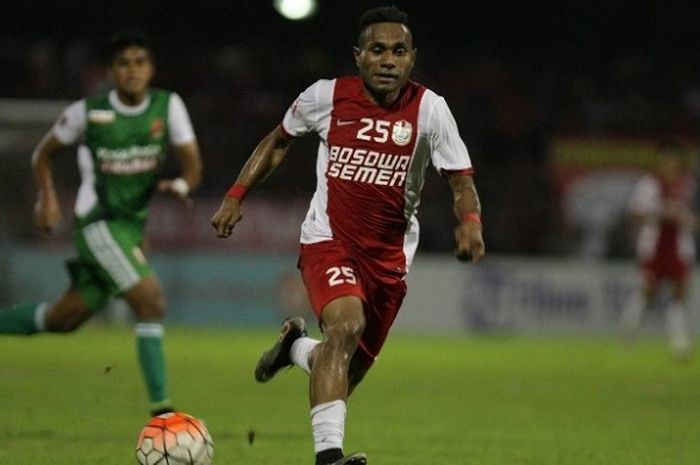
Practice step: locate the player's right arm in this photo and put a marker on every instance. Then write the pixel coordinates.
(264, 160)
(301, 117)
(67, 130)
(47, 210)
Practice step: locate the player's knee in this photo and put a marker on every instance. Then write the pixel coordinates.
(147, 300)
(343, 323)
(345, 333)
(63, 325)
(152, 309)
(354, 329)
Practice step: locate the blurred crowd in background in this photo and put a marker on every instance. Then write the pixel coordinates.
(529, 85)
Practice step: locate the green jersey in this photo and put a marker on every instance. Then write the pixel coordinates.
(121, 150)
(125, 152)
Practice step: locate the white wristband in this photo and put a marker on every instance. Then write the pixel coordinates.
(180, 187)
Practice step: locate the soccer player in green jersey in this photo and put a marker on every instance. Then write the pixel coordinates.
(123, 137)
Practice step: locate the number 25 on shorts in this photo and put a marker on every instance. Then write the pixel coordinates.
(340, 275)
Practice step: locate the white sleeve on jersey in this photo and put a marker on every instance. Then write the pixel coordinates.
(309, 109)
(646, 197)
(180, 129)
(70, 126)
(447, 148)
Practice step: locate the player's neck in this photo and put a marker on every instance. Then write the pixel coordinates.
(131, 100)
(381, 100)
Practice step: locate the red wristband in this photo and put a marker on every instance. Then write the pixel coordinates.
(237, 191)
(471, 217)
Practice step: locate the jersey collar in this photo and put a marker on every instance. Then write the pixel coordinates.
(126, 109)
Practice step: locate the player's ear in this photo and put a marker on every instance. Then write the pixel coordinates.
(356, 53)
(151, 65)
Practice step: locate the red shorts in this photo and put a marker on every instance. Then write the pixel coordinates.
(331, 269)
(665, 267)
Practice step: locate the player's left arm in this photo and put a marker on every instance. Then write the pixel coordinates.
(184, 143)
(190, 178)
(467, 209)
(451, 158)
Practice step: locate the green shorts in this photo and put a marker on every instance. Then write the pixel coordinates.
(109, 262)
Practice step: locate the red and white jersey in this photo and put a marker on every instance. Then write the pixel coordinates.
(657, 238)
(371, 165)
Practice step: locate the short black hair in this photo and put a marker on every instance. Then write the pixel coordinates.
(123, 40)
(381, 14)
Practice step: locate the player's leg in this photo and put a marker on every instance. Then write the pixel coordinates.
(329, 365)
(334, 285)
(354, 331)
(25, 318)
(357, 371)
(68, 314)
(85, 295)
(679, 337)
(637, 304)
(147, 300)
(113, 249)
(303, 353)
(328, 273)
(291, 342)
(65, 315)
(343, 323)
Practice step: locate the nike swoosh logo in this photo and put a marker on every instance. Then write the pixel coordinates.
(344, 123)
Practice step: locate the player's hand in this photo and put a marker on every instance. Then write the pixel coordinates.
(177, 187)
(469, 242)
(47, 211)
(226, 218)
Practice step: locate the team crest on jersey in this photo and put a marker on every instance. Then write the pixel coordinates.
(401, 132)
(157, 128)
(101, 116)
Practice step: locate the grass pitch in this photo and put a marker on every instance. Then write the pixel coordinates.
(79, 399)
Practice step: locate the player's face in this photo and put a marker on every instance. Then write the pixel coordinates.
(385, 58)
(132, 71)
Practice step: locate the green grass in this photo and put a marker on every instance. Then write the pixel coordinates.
(78, 399)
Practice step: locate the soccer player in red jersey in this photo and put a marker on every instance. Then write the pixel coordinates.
(661, 208)
(378, 132)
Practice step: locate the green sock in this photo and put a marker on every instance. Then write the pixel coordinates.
(149, 343)
(23, 318)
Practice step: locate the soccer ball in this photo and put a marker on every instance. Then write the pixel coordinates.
(174, 439)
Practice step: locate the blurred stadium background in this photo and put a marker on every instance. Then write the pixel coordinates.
(560, 104)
